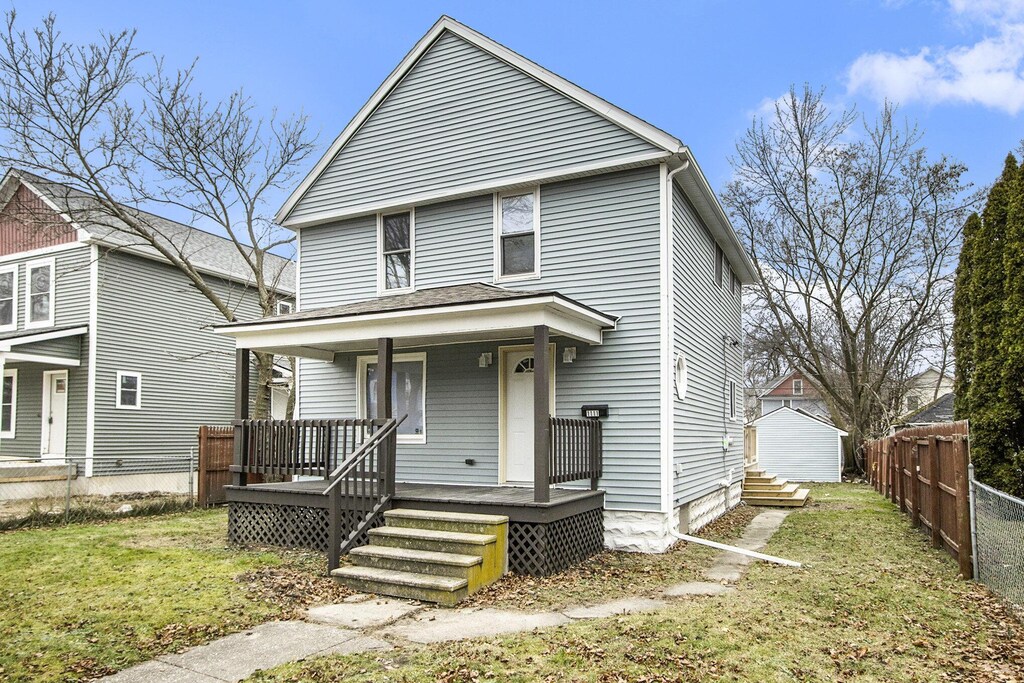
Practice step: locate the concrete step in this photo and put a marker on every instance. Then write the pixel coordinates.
(446, 521)
(784, 491)
(457, 542)
(444, 590)
(798, 499)
(418, 561)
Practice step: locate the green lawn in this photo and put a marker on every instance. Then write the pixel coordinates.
(875, 603)
(83, 600)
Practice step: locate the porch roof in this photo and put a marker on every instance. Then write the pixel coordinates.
(458, 313)
(54, 346)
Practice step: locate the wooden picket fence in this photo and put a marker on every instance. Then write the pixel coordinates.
(924, 471)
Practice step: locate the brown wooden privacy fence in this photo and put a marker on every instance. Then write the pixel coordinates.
(576, 450)
(216, 452)
(924, 471)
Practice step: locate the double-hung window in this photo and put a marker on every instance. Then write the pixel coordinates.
(9, 404)
(719, 258)
(9, 298)
(408, 393)
(517, 244)
(129, 390)
(39, 294)
(798, 387)
(395, 261)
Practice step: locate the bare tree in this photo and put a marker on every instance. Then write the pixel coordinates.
(128, 134)
(854, 234)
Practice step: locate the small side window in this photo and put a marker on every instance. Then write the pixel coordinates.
(734, 281)
(129, 390)
(798, 387)
(9, 298)
(517, 243)
(719, 258)
(9, 404)
(396, 252)
(284, 307)
(732, 400)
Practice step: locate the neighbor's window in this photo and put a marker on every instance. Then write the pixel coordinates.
(517, 234)
(798, 387)
(734, 281)
(396, 251)
(408, 393)
(284, 307)
(913, 402)
(719, 258)
(129, 390)
(39, 297)
(8, 404)
(9, 297)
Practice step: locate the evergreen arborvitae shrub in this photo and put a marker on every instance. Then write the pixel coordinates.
(963, 337)
(1012, 350)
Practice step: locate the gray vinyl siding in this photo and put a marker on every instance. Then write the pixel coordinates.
(798, 448)
(600, 246)
(152, 321)
(461, 117)
(702, 313)
(71, 307)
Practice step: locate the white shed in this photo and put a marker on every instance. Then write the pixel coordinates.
(797, 446)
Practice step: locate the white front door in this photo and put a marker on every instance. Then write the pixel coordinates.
(517, 434)
(55, 414)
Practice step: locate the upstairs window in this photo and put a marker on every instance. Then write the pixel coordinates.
(396, 251)
(734, 281)
(8, 404)
(9, 298)
(39, 294)
(129, 390)
(517, 253)
(719, 258)
(798, 387)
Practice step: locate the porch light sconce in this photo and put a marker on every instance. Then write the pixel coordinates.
(485, 360)
(569, 354)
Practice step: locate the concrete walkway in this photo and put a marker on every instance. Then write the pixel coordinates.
(362, 623)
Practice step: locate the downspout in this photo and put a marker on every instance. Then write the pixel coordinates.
(733, 549)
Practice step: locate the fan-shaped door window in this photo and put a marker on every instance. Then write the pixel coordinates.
(524, 366)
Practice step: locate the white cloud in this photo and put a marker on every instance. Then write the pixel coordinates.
(990, 72)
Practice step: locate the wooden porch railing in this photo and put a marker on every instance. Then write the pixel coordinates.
(360, 489)
(312, 448)
(577, 450)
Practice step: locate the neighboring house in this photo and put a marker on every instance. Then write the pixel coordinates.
(479, 208)
(108, 358)
(924, 388)
(792, 390)
(798, 446)
(936, 412)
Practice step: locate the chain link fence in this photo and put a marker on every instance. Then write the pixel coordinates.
(997, 524)
(36, 492)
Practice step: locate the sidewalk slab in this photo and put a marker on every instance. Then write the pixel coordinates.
(238, 656)
(615, 608)
(361, 614)
(159, 672)
(730, 566)
(441, 625)
(697, 588)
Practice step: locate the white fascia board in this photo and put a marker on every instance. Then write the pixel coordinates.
(495, 185)
(602, 108)
(440, 322)
(7, 344)
(14, 356)
(695, 186)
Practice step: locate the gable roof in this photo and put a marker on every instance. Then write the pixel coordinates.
(802, 414)
(209, 253)
(939, 410)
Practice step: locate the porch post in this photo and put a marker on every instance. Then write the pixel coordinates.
(242, 386)
(541, 415)
(388, 449)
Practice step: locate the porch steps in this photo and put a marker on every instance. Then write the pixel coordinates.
(432, 556)
(767, 490)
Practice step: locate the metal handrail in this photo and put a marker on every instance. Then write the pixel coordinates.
(341, 470)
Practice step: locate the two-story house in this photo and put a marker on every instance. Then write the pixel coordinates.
(792, 390)
(557, 291)
(107, 352)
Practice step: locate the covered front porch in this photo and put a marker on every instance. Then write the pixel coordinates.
(322, 482)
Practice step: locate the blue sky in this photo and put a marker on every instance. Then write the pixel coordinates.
(699, 69)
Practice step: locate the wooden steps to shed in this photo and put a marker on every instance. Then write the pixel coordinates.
(767, 490)
(432, 556)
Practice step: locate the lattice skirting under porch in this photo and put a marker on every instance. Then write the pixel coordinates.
(542, 549)
(283, 526)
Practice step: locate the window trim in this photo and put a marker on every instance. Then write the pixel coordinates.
(10, 433)
(138, 392)
(13, 269)
(29, 267)
(382, 290)
(798, 383)
(289, 304)
(498, 265)
(361, 364)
